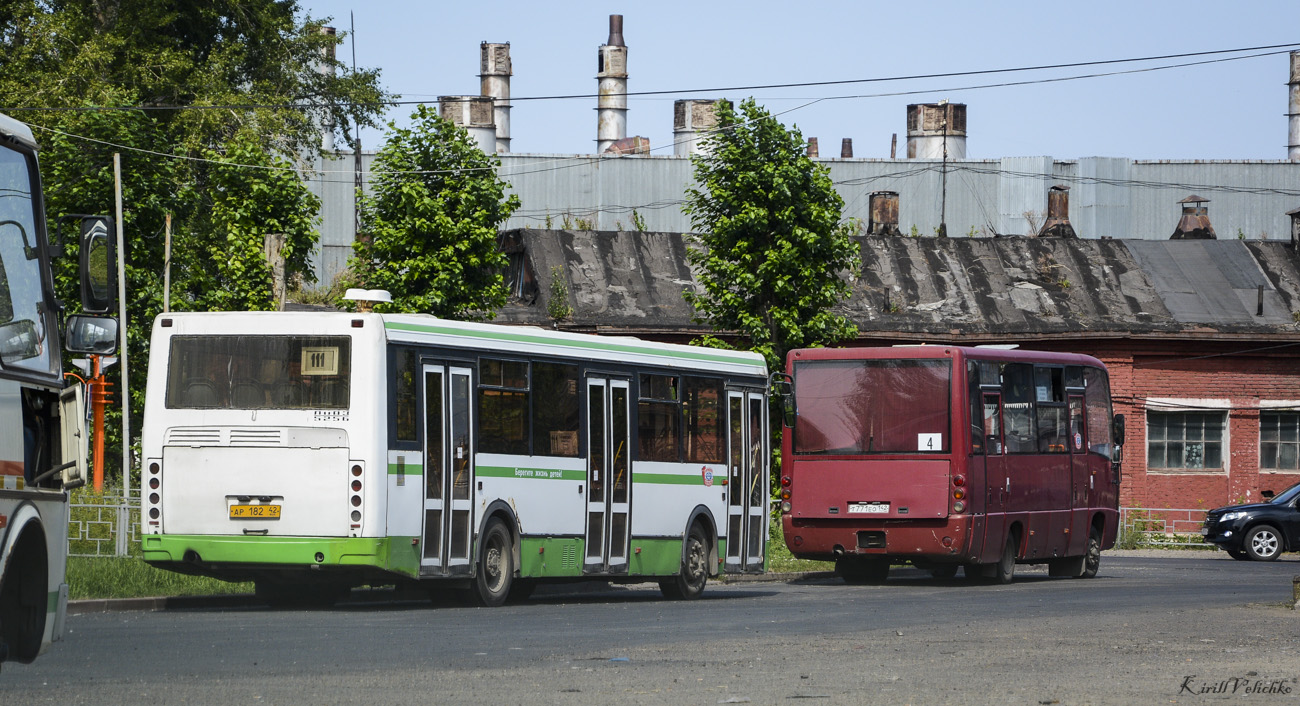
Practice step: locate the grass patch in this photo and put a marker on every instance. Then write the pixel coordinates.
(779, 559)
(130, 577)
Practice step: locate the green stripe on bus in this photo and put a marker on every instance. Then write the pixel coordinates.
(703, 355)
(668, 478)
(537, 473)
(406, 469)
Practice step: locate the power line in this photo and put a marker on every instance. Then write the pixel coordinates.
(1268, 49)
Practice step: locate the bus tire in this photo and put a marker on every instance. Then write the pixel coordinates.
(23, 598)
(1005, 569)
(689, 582)
(496, 566)
(1092, 559)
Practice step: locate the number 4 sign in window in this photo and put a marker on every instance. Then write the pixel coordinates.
(929, 442)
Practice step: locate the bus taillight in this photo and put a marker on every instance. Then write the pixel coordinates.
(959, 507)
(785, 507)
(356, 495)
(959, 480)
(155, 483)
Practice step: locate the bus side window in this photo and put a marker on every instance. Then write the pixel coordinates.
(992, 424)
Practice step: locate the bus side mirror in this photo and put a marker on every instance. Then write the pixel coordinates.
(91, 335)
(97, 259)
(783, 387)
(1117, 429)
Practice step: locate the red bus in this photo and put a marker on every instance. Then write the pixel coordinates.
(945, 457)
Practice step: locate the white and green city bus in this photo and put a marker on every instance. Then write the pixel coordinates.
(42, 421)
(312, 452)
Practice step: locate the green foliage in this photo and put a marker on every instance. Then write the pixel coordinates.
(429, 233)
(773, 250)
(583, 224)
(779, 558)
(71, 57)
(130, 577)
(557, 303)
(638, 222)
(247, 205)
(915, 232)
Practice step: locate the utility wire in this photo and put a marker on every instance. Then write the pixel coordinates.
(724, 89)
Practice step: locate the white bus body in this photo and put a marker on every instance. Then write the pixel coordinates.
(311, 452)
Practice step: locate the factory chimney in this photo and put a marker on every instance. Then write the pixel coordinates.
(474, 113)
(611, 77)
(326, 68)
(936, 131)
(693, 119)
(494, 76)
(1293, 115)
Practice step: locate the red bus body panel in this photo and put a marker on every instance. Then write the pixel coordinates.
(1050, 501)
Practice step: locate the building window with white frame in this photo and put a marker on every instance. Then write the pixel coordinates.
(1191, 441)
(1279, 441)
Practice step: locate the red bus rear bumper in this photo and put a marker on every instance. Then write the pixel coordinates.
(942, 541)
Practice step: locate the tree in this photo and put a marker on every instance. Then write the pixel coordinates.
(774, 248)
(429, 233)
(184, 91)
(248, 206)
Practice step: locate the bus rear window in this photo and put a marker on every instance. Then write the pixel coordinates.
(872, 406)
(259, 372)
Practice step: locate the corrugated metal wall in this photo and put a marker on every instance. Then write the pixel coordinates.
(1113, 197)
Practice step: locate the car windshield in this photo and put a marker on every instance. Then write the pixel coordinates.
(1286, 496)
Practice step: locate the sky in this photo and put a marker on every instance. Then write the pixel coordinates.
(1233, 110)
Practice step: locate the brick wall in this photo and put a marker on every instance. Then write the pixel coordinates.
(1191, 370)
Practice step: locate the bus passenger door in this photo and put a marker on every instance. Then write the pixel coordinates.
(448, 471)
(997, 482)
(1083, 485)
(747, 482)
(609, 479)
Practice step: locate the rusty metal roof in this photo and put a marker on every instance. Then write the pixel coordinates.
(969, 289)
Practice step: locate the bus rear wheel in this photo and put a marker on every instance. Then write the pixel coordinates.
(496, 566)
(689, 582)
(1092, 559)
(1005, 569)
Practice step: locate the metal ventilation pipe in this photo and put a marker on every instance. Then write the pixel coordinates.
(936, 130)
(474, 113)
(883, 213)
(1195, 221)
(1293, 115)
(611, 77)
(1057, 224)
(494, 76)
(326, 68)
(693, 119)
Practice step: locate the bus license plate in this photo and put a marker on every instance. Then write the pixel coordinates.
(868, 508)
(254, 512)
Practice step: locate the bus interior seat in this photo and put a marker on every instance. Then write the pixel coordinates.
(287, 394)
(201, 393)
(247, 394)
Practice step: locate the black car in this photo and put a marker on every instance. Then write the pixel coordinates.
(1259, 531)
